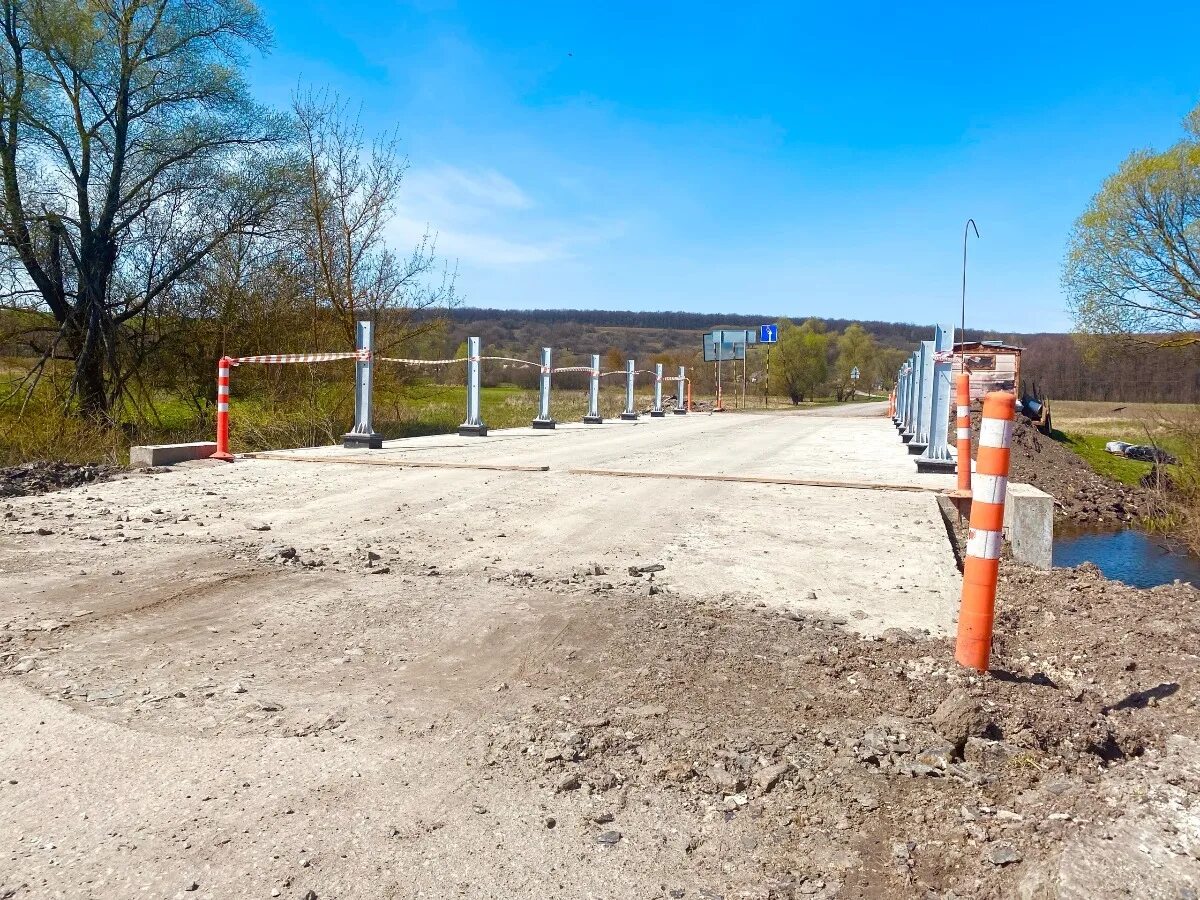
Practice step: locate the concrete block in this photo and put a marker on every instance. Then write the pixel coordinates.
(169, 454)
(1029, 525)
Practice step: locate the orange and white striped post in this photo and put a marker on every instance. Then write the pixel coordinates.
(223, 411)
(962, 389)
(986, 535)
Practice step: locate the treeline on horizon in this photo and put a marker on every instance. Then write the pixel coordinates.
(1066, 366)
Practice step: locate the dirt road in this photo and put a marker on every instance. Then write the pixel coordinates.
(331, 680)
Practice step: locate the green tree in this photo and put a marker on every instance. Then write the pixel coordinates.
(1133, 264)
(129, 151)
(855, 350)
(803, 364)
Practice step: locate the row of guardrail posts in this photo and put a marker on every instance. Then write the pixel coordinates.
(362, 433)
(922, 414)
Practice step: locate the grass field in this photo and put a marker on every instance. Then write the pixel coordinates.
(1087, 425)
(262, 419)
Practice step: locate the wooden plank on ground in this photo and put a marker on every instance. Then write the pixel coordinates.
(763, 479)
(395, 464)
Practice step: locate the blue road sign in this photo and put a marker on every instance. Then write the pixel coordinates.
(768, 334)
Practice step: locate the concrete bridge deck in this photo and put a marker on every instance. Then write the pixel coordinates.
(881, 556)
(273, 676)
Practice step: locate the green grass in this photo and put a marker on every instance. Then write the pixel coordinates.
(1090, 448)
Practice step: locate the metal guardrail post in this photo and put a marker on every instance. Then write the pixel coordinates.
(473, 426)
(544, 419)
(936, 457)
(630, 414)
(924, 410)
(657, 411)
(680, 404)
(363, 434)
(593, 414)
(910, 402)
(898, 418)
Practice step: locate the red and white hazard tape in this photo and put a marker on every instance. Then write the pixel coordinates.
(427, 362)
(573, 369)
(271, 358)
(523, 362)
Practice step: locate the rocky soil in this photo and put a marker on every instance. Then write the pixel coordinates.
(818, 764)
(41, 477)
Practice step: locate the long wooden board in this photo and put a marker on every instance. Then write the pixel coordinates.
(763, 479)
(395, 464)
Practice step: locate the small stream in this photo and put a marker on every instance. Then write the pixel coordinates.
(1134, 557)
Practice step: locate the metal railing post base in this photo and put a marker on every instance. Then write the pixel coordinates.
(479, 430)
(936, 466)
(543, 423)
(657, 413)
(354, 441)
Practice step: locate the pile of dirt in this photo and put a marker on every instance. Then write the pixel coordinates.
(41, 477)
(810, 762)
(1080, 494)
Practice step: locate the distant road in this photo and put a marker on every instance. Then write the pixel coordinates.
(850, 410)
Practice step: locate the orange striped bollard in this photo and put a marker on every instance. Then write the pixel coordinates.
(986, 535)
(223, 411)
(962, 388)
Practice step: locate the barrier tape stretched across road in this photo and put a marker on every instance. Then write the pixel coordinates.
(273, 358)
(425, 362)
(365, 357)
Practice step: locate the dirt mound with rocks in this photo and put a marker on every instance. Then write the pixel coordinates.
(1080, 494)
(42, 477)
(815, 763)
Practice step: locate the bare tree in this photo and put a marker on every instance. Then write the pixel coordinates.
(129, 150)
(351, 186)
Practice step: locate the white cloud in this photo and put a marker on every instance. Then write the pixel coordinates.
(482, 217)
(478, 247)
(462, 194)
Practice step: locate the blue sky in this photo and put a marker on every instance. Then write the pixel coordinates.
(786, 158)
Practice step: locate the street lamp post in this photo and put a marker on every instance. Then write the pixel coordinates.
(963, 331)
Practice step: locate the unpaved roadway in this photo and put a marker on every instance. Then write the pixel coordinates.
(337, 680)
